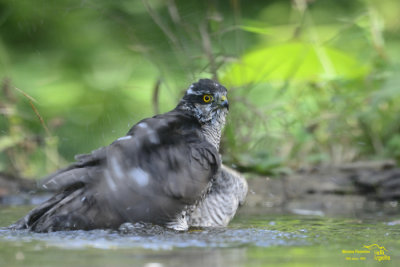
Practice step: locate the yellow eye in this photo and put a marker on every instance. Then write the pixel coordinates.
(207, 98)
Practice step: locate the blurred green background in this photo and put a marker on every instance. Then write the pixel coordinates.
(310, 81)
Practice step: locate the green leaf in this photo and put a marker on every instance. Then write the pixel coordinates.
(293, 61)
(254, 29)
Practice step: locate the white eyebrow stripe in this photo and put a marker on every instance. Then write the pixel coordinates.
(191, 92)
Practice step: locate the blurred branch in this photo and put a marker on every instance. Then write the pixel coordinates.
(377, 28)
(156, 95)
(25, 94)
(157, 19)
(301, 6)
(173, 11)
(207, 47)
(237, 19)
(31, 100)
(177, 46)
(6, 89)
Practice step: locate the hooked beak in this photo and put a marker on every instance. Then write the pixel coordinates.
(223, 102)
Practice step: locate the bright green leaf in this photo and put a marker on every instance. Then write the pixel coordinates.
(293, 61)
(253, 29)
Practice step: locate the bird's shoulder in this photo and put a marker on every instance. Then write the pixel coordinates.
(165, 126)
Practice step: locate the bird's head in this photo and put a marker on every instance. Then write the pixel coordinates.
(206, 100)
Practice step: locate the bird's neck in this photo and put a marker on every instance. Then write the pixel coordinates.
(212, 136)
(212, 129)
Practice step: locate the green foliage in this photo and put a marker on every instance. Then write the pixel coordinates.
(295, 61)
(327, 94)
(310, 81)
(24, 152)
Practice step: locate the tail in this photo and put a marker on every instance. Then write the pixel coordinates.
(61, 212)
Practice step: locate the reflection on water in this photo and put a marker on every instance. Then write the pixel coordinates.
(248, 241)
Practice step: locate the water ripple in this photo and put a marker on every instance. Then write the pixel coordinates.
(157, 239)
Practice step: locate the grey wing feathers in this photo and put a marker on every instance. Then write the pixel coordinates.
(151, 175)
(161, 182)
(82, 171)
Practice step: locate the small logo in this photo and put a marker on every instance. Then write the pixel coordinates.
(378, 252)
(375, 246)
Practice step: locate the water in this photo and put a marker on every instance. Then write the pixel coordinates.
(262, 240)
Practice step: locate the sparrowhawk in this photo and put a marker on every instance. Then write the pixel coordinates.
(166, 170)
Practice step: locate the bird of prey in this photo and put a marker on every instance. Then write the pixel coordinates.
(166, 171)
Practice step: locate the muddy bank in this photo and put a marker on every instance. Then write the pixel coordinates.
(10, 184)
(354, 189)
(19, 191)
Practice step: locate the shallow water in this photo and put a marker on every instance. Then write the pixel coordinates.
(262, 240)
